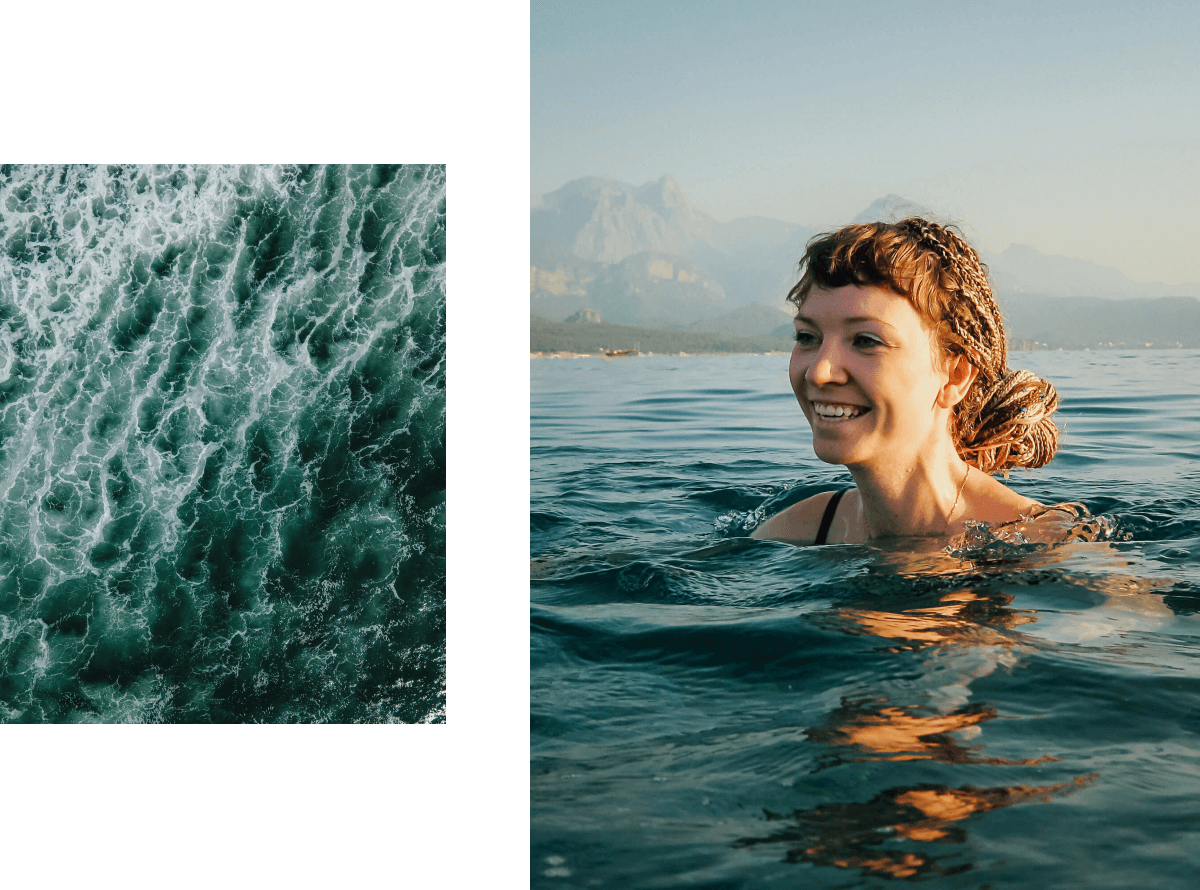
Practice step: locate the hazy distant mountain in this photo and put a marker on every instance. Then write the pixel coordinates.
(646, 288)
(644, 255)
(893, 208)
(584, 316)
(1093, 322)
(752, 320)
(607, 221)
(753, 259)
(1024, 269)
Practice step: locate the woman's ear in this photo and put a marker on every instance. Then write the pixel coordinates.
(960, 374)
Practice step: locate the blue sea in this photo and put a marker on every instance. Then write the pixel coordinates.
(712, 711)
(222, 444)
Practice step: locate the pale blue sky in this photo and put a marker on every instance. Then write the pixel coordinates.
(1074, 127)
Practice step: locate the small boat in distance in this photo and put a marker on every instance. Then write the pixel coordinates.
(622, 353)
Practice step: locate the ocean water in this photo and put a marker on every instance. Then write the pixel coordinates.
(222, 444)
(712, 711)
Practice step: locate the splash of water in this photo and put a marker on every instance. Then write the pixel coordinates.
(1042, 526)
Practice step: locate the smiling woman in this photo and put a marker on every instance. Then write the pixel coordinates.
(900, 367)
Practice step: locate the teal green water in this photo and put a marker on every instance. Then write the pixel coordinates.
(222, 444)
(713, 711)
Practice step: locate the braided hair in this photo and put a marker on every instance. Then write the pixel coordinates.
(1005, 419)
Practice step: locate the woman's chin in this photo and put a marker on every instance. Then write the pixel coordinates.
(833, 453)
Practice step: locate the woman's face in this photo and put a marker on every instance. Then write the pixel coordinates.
(868, 377)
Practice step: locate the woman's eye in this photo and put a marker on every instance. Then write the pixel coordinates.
(862, 341)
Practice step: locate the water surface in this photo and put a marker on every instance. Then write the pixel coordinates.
(713, 711)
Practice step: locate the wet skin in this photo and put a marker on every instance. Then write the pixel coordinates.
(879, 394)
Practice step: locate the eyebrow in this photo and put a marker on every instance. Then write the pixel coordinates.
(855, 320)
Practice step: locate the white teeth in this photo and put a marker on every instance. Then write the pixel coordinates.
(827, 410)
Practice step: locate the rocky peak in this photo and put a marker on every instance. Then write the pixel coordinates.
(893, 208)
(584, 316)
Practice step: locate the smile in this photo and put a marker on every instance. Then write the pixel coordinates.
(832, 411)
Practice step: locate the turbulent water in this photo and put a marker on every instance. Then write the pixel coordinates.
(713, 711)
(222, 444)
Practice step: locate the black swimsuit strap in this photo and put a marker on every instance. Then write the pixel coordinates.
(827, 518)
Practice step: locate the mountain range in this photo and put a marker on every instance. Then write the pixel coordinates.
(645, 255)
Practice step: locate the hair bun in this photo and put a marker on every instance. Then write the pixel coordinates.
(1015, 425)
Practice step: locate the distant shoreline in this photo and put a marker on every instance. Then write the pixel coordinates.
(579, 340)
(1012, 348)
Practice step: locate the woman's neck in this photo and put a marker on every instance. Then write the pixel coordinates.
(910, 498)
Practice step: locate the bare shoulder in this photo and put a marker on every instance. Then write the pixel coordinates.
(798, 523)
(989, 500)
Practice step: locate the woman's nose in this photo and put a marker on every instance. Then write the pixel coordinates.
(825, 369)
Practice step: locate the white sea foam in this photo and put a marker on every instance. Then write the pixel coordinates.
(174, 346)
